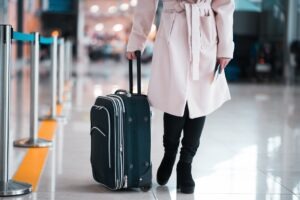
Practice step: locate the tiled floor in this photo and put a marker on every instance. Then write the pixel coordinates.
(250, 149)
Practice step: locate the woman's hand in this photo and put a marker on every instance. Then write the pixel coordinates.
(223, 62)
(130, 55)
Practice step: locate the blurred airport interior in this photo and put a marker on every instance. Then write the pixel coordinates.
(266, 33)
(250, 147)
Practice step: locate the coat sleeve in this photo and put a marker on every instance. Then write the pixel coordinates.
(224, 10)
(142, 22)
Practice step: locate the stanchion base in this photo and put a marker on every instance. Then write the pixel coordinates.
(61, 118)
(13, 188)
(57, 118)
(30, 143)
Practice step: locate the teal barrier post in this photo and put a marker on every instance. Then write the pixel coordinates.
(7, 187)
(33, 140)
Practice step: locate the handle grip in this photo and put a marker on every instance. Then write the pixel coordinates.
(139, 84)
(122, 92)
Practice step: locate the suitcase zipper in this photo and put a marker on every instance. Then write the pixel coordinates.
(116, 96)
(117, 104)
(121, 139)
(109, 131)
(120, 101)
(121, 107)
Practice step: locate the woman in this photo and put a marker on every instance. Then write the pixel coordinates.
(194, 36)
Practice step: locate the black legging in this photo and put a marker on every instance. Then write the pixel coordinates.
(192, 129)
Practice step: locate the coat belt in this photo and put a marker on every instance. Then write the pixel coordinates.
(193, 14)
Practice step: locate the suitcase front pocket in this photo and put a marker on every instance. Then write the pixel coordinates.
(102, 126)
(100, 158)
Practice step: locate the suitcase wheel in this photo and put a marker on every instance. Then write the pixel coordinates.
(146, 188)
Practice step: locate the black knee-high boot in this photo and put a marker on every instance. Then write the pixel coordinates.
(190, 143)
(173, 127)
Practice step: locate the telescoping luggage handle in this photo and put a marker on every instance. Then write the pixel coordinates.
(139, 85)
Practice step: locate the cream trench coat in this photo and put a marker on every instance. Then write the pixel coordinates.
(189, 39)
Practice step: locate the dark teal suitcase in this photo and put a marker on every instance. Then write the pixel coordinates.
(121, 138)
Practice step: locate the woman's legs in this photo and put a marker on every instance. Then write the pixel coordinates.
(173, 127)
(191, 138)
(190, 143)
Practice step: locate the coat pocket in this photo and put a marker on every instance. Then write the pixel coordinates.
(208, 30)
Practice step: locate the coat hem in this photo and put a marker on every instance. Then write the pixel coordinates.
(209, 112)
(156, 106)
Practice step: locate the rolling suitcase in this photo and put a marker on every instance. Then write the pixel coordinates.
(120, 138)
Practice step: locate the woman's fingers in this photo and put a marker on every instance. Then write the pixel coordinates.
(223, 62)
(130, 55)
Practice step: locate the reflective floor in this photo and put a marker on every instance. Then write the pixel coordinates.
(250, 148)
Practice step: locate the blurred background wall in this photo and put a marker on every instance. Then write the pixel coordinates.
(266, 33)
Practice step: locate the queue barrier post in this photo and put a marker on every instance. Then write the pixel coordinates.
(54, 55)
(68, 60)
(61, 77)
(7, 187)
(61, 71)
(68, 73)
(33, 140)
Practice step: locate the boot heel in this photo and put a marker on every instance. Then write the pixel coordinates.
(185, 182)
(186, 190)
(182, 189)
